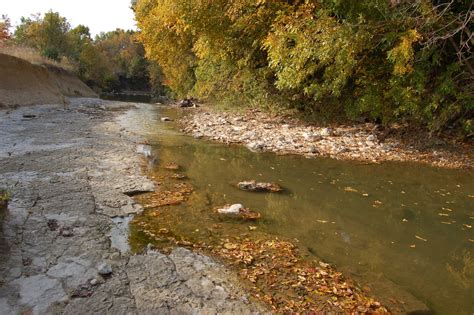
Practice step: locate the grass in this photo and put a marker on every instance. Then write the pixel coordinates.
(5, 194)
(33, 56)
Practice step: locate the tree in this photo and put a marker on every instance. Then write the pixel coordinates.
(48, 34)
(126, 57)
(385, 60)
(5, 26)
(77, 38)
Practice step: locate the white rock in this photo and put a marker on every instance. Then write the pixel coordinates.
(325, 132)
(255, 146)
(104, 269)
(234, 209)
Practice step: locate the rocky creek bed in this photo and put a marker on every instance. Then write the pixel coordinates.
(260, 131)
(63, 238)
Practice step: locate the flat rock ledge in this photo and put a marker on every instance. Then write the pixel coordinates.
(261, 132)
(63, 246)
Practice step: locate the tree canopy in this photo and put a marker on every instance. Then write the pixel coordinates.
(111, 61)
(382, 60)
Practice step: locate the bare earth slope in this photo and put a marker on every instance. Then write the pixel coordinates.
(22, 83)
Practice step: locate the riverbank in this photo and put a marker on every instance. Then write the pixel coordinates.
(64, 236)
(367, 143)
(25, 83)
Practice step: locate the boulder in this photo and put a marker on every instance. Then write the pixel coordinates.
(187, 102)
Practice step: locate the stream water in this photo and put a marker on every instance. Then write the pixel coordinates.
(392, 225)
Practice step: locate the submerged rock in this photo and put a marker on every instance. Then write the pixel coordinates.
(178, 176)
(144, 149)
(259, 187)
(172, 166)
(255, 146)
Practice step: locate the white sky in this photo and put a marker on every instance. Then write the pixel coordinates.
(98, 15)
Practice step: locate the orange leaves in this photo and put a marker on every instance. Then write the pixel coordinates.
(281, 278)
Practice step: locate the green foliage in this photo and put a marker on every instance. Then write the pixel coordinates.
(377, 59)
(317, 56)
(112, 61)
(47, 34)
(94, 67)
(6, 194)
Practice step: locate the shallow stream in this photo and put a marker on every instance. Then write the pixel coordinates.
(390, 226)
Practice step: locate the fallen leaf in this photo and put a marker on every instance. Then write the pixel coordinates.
(350, 189)
(377, 203)
(421, 238)
(230, 246)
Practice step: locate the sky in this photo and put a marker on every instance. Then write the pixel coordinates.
(98, 15)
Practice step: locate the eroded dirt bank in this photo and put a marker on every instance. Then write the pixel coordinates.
(23, 83)
(368, 143)
(71, 172)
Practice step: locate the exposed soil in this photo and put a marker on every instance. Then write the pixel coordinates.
(22, 83)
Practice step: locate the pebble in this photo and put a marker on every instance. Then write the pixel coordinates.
(349, 142)
(104, 269)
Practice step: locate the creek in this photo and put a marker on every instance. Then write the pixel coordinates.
(390, 225)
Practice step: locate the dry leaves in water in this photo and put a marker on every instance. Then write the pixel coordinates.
(288, 283)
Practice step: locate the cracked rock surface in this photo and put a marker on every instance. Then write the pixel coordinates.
(72, 172)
